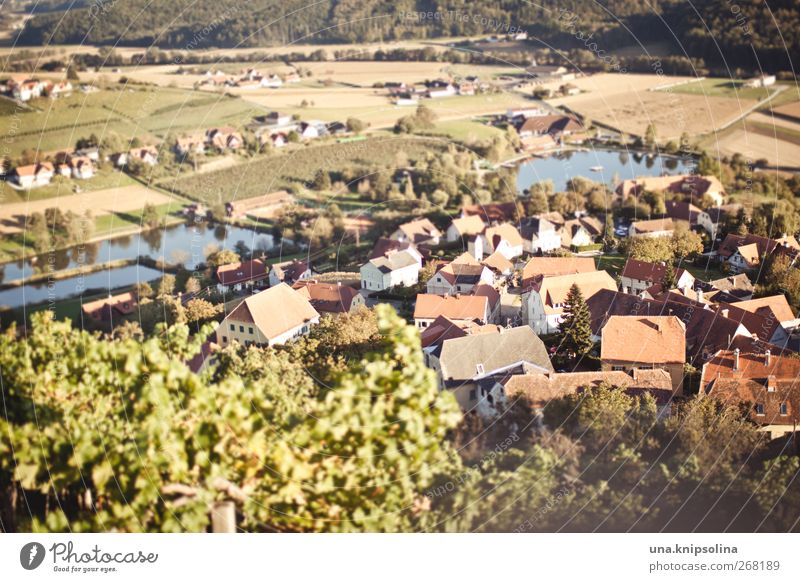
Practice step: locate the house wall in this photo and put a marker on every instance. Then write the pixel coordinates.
(547, 241)
(248, 333)
(674, 369)
(533, 314)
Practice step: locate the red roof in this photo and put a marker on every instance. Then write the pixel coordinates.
(236, 273)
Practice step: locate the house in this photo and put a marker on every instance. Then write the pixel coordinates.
(463, 228)
(774, 307)
(418, 232)
(384, 246)
(146, 155)
(224, 138)
(33, 175)
(271, 317)
(689, 186)
(289, 272)
(278, 140)
(545, 71)
(395, 268)
(504, 239)
(278, 118)
(538, 268)
(575, 234)
(680, 211)
(746, 252)
(442, 329)
(711, 219)
(469, 366)
(638, 276)
(538, 390)
(190, 145)
(760, 81)
(652, 228)
(82, 168)
(543, 306)
(494, 213)
(645, 343)
(707, 330)
(263, 205)
(461, 275)
(469, 308)
(438, 92)
(309, 130)
(553, 125)
(539, 235)
(500, 266)
(734, 287)
(519, 115)
(246, 275)
(114, 306)
(765, 384)
(331, 298)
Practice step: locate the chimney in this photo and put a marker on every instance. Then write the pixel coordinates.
(767, 358)
(736, 360)
(700, 296)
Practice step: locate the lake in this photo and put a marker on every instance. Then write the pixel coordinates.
(33, 293)
(617, 165)
(187, 244)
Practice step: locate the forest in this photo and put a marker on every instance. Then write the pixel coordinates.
(723, 34)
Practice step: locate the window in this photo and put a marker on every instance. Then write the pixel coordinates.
(250, 330)
(760, 409)
(224, 339)
(241, 329)
(480, 368)
(617, 368)
(646, 367)
(472, 394)
(233, 327)
(784, 409)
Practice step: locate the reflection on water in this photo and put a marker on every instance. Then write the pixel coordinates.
(613, 167)
(188, 242)
(107, 279)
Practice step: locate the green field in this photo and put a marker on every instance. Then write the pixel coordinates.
(296, 168)
(465, 131)
(104, 178)
(723, 88)
(148, 113)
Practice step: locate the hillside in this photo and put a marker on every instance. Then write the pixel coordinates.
(751, 36)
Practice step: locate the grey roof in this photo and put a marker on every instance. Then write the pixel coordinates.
(394, 261)
(460, 357)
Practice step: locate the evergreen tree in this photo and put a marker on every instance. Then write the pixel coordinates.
(576, 332)
(670, 278)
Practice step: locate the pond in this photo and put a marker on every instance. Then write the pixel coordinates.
(187, 244)
(109, 279)
(616, 166)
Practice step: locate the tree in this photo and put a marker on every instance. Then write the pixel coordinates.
(650, 135)
(322, 181)
(575, 331)
(686, 244)
(222, 257)
(200, 311)
(143, 290)
(650, 250)
(167, 285)
(355, 125)
(150, 216)
(610, 241)
(670, 279)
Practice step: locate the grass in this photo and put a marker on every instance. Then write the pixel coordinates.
(611, 263)
(104, 179)
(723, 88)
(145, 112)
(111, 223)
(465, 131)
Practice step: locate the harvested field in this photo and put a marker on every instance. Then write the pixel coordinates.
(626, 102)
(100, 202)
(757, 146)
(790, 110)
